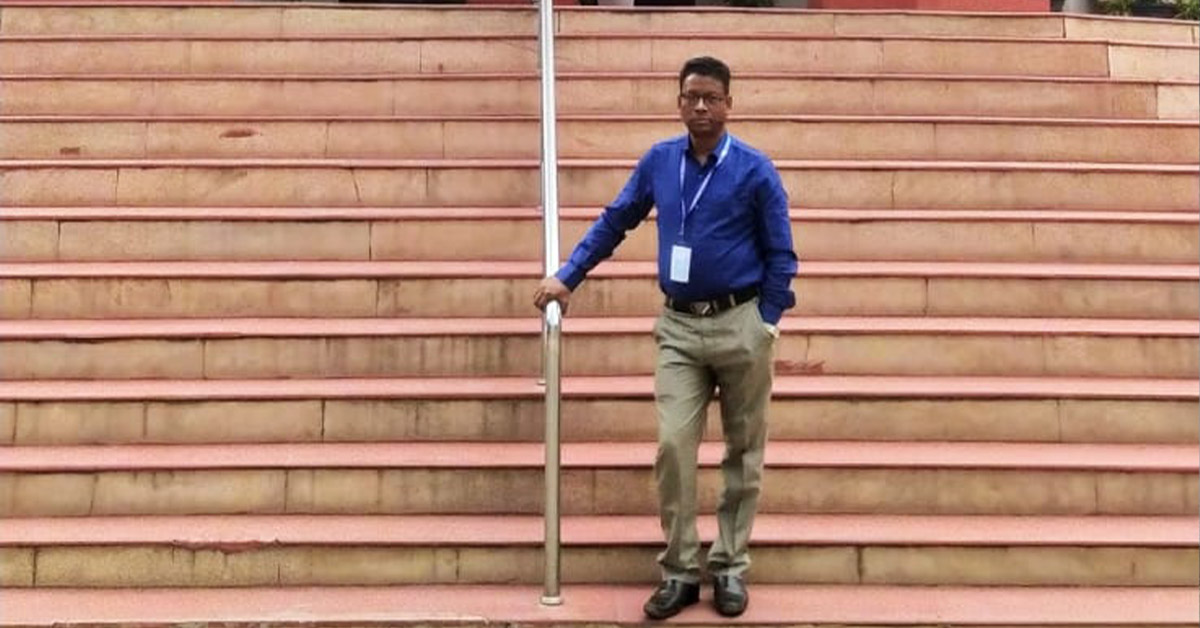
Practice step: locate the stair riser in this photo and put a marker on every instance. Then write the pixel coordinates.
(850, 188)
(1015, 241)
(416, 22)
(445, 96)
(599, 54)
(433, 297)
(116, 423)
(1163, 63)
(590, 491)
(594, 139)
(259, 21)
(883, 24)
(292, 565)
(851, 56)
(610, 354)
(520, 240)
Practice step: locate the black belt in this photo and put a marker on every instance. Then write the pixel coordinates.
(712, 307)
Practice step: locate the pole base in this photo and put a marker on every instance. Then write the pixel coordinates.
(552, 600)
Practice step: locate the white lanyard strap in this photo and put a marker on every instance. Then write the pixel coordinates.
(684, 207)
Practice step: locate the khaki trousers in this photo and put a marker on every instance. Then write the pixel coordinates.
(731, 352)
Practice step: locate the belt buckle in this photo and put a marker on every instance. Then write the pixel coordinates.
(702, 308)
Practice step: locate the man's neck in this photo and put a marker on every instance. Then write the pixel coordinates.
(703, 146)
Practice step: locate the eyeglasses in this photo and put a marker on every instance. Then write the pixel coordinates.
(710, 99)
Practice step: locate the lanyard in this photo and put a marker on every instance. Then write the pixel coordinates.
(686, 209)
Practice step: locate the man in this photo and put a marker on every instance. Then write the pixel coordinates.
(725, 263)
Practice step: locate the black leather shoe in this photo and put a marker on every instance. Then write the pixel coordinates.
(670, 597)
(730, 595)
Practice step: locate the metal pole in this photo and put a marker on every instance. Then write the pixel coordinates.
(552, 328)
(552, 595)
(549, 139)
(545, 350)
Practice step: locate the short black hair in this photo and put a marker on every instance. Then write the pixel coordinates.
(705, 66)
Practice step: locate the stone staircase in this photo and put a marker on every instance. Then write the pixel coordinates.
(269, 355)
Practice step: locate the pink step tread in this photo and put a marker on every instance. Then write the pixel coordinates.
(610, 269)
(606, 35)
(463, 530)
(594, 387)
(782, 164)
(590, 76)
(532, 326)
(475, 455)
(591, 117)
(577, 213)
(845, 606)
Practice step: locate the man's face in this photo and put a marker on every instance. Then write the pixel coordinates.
(703, 105)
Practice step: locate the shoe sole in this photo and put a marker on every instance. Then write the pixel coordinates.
(723, 613)
(668, 615)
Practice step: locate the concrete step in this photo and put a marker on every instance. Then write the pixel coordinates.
(415, 22)
(120, 18)
(339, 348)
(884, 23)
(70, 234)
(477, 606)
(504, 289)
(637, 51)
(782, 137)
(256, 551)
(598, 478)
(809, 408)
(857, 184)
(592, 93)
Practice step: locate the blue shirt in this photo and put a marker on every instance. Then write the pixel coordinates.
(739, 232)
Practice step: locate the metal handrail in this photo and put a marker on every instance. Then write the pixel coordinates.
(552, 322)
(551, 595)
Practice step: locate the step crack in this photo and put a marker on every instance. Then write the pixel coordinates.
(12, 437)
(357, 191)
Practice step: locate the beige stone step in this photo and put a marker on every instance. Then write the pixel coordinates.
(181, 55)
(888, 23)
(109, 412)
(642, 93)
(264, 349)
(260, 20)
(486, 289)
(598, 478)
(792, 549)
(781, 137)
(614, 52)
(890, 235)
(1170, 62)
(426, 22)
(813, 184)
(245, 234)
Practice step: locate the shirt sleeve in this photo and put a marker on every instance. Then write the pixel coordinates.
(775, 242)
(627, 211)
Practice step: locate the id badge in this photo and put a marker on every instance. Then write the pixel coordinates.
(681, 263)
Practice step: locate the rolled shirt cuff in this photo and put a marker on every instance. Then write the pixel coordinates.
(570, 275)
(771, 313)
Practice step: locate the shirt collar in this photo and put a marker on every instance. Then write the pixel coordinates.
(712, 157)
